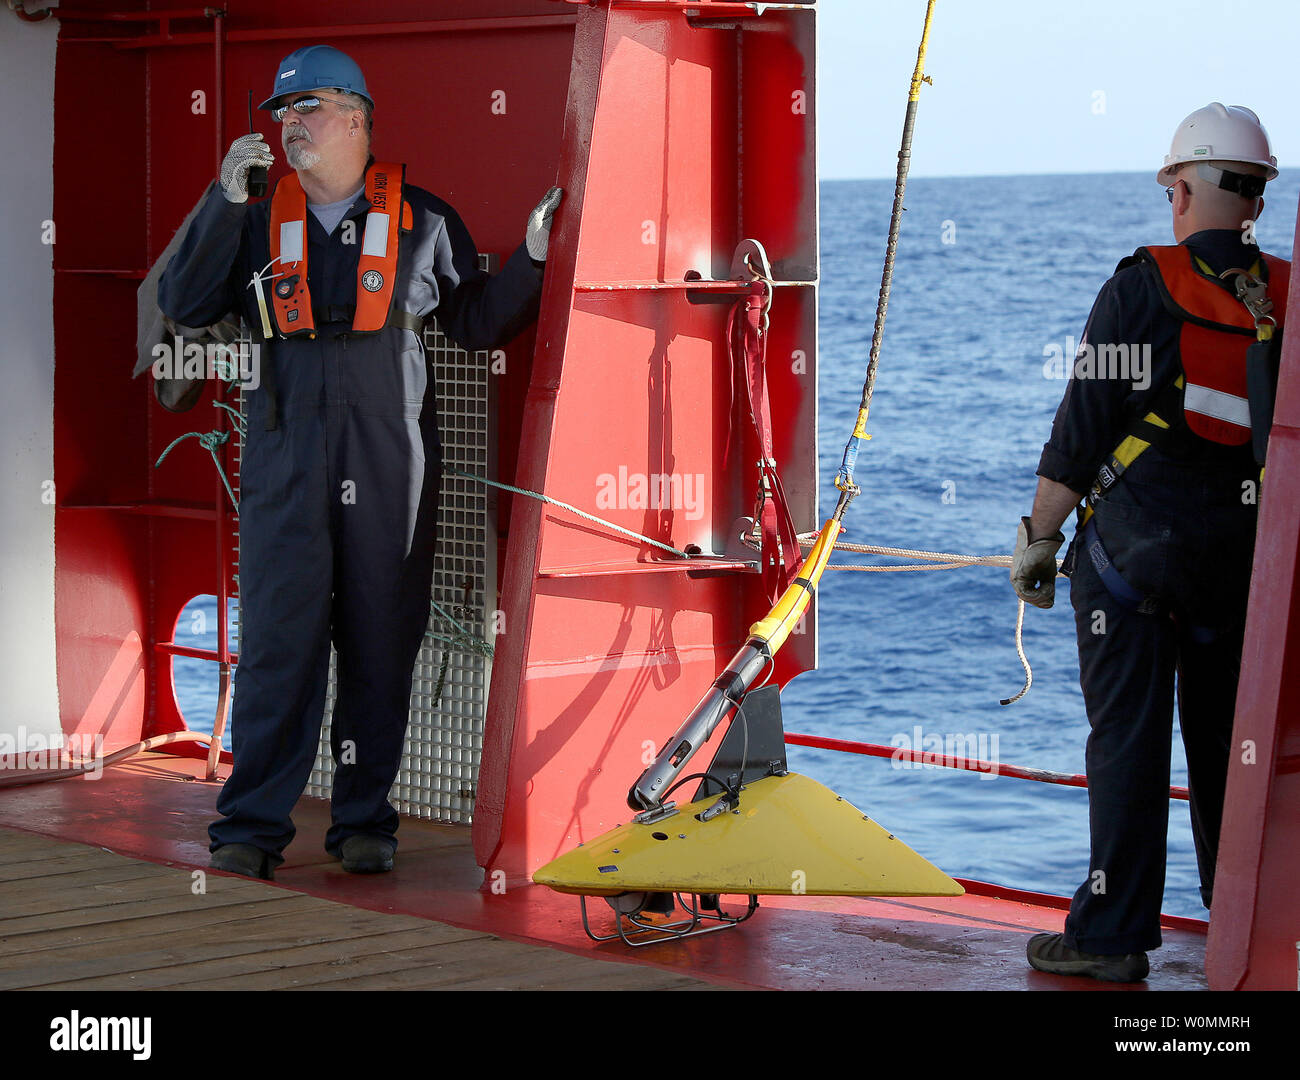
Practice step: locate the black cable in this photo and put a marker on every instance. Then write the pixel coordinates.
(701, 776)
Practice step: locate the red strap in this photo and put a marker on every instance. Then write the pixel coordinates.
(1279, 279)
(377, 266)
(780, 550)
(290, 300)
(1209, 299)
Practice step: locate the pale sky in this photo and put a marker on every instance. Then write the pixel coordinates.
(1016, 82)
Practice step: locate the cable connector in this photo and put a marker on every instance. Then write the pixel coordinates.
(728, 800)
(844, 478)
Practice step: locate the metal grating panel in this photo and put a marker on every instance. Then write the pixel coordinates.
(444, 738)
(450, 684)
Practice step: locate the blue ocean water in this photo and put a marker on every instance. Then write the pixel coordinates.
(990, 272)
(962, 407)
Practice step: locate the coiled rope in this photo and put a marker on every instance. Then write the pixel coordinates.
(940, 560)
(228, 372)
(209, 440)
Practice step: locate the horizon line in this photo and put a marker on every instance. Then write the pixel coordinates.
(999, 176)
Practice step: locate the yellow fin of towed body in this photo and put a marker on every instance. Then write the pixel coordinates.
(791, 835)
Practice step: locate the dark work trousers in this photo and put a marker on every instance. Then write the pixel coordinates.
(1185, 536)
(338, 511)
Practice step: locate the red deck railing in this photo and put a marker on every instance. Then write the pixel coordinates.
(929, 757)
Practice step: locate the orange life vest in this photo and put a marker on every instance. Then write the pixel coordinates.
(1217, 329)
(376, 268)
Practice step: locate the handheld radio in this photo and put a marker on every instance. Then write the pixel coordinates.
(257, 174)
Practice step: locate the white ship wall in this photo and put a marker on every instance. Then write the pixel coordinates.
(29, 706)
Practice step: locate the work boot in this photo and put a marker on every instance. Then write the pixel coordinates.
(246, 859)
(368, 854)
(1049, 952)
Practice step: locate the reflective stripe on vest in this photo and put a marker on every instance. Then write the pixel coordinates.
(376, 267)
(1216, 331)
(1230, 408)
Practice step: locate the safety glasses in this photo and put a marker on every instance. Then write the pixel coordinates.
(304, 106)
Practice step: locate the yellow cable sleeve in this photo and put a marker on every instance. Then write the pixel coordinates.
(777, 625)
(917, 76)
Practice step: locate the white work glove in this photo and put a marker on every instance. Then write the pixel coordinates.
(245, 152)
(1033, 567)
(539, 224)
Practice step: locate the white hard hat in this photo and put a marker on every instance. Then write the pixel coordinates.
(1219, 133)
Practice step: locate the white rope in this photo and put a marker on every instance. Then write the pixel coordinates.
(1024, 660)
(941, 560)
(897, 569)
(945, 560)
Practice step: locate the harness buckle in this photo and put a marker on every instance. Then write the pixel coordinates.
(1252, 292)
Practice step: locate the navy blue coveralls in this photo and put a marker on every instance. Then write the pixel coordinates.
(338, 501)
(1180, 528)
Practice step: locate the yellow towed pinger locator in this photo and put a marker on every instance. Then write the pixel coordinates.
(769, 831)
(785, 824)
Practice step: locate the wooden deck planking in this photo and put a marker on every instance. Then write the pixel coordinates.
(59, 897)
(200, 955)
(74, 917)
(168, 902)
(480, 962)
(46, 868)
(140, 932)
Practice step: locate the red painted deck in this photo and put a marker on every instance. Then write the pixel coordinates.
(158, 809)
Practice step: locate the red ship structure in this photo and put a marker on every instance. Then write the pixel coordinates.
(680, 132)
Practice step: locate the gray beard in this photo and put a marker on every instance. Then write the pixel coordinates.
(301, 156)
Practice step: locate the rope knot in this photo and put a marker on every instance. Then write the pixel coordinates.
(212, 439)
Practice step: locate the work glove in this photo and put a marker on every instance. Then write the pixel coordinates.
(245, 152)
(1033, 567)
(539, 224)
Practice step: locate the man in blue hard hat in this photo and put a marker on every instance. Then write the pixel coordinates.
(336, 273)
(1167, 450)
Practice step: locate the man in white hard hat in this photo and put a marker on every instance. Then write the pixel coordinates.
(1162, 454)
(338, 270)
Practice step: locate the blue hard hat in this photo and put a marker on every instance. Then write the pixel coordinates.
(316, 67)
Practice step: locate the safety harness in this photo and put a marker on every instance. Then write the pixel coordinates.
(1225, 389)
(1214, 390)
